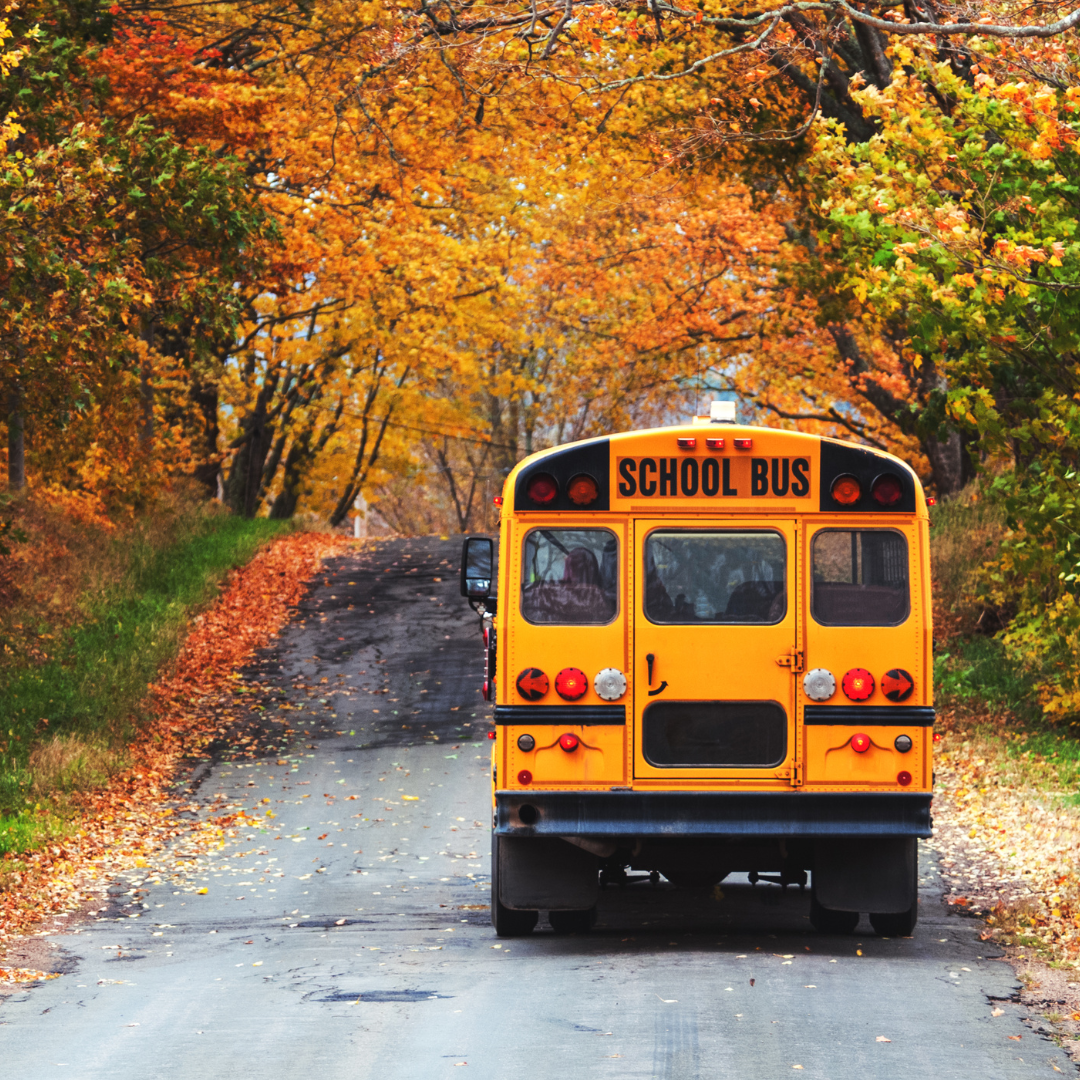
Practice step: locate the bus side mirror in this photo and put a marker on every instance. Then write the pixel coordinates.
(477, 567)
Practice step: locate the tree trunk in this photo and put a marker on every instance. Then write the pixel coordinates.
(208, 471)
(947, 462)
(16, 439)
(146, 385)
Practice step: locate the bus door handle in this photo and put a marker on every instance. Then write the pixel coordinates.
(650, 659)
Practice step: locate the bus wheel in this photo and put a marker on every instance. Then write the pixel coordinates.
(899, 924)
(827, 921)
(572, 922)
(507, 921)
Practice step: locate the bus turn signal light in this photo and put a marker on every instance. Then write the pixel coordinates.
(860, 743)
(532, 684)
(571, 684)
(542, 489)
(858, 684)
(887, 490)
(569, 742)
(897, 684)
(583, 490)
(846, 490)
(903, 778)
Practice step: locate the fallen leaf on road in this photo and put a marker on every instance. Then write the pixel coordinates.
(1001, 1012)
(881, 1038)
(1016, 1038)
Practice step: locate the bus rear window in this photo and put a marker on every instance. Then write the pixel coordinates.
(860, 577)
(570, 576)
(715, 577)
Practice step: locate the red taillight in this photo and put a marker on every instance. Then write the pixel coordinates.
(846, 490)
(743, 444)
(582, 491)
(687, 444)
(487, 690)
(491, 734)
(858, 684)
(571, 684)
(542, 489)
(860, 743)
(715, 444)
(937, 736)
(931, 501)
(497, 500)
(569, 742)
(897, 684)
(487, 637)
(532, 684)
(903, 778)
(524, 777)
(887, 490)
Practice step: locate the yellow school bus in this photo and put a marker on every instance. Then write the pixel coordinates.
(711, 654)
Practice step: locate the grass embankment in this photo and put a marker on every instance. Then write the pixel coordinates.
(1007, 803)
(94, 615)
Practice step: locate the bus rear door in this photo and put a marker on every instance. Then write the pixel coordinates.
(716, 638)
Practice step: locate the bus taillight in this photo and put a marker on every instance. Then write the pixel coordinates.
(860, 743)
(569, 742)
(571, 684)
(858, 684)
(887, 490)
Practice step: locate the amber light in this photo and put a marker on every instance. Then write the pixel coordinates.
(569, 742)
(887, 490)
(571, 683)
(532, 684)
(687, 444)
(860, 743)
(582, 491)
(715, 444)
(846, 490)
(524, 777)
(903, 778)
(743, 444)
(542, 489)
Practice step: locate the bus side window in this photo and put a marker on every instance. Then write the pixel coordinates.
(860, 577)
(570, 576)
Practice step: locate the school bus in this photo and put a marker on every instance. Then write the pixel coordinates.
(709, 648)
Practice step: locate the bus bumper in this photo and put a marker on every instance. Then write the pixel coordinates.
(715, 815)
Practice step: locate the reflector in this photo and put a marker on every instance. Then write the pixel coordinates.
(887, 490)
(569, 742)
(903, 778)
(860, 743)
(846, 490)
(582, 490)
(524, 777)
(571, 684)
(532, 684)
(542, 489)
(858, 684)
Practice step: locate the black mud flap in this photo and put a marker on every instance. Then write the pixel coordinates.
(879, 875)
(546, 874)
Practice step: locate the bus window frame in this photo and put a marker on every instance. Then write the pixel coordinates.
(833, 527)
(568, 527)
(789, 567)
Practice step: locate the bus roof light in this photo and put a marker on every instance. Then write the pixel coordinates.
(846, 490)
(571, 684)
(715, 444)
(860, 743)
(569, 742)
(582, 490)
(903, 778)
(743, 444)
(858, 684)
(542, 489)
(887, 490)
(687, 444)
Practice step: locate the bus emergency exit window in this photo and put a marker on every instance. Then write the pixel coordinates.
(859, 577)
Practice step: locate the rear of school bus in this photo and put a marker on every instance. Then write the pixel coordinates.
(714, 656)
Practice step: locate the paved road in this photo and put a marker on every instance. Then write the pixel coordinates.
(350, 937)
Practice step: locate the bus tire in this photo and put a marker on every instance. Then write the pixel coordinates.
(507, 922)
(827, 921)
(572, 922)
(895, 924)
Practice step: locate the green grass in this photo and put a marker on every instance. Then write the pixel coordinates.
(94, 684)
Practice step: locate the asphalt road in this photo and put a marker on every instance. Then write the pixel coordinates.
(350, 936)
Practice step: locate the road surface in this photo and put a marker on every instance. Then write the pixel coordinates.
(350, 936)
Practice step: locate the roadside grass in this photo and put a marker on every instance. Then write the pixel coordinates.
(71, 705)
